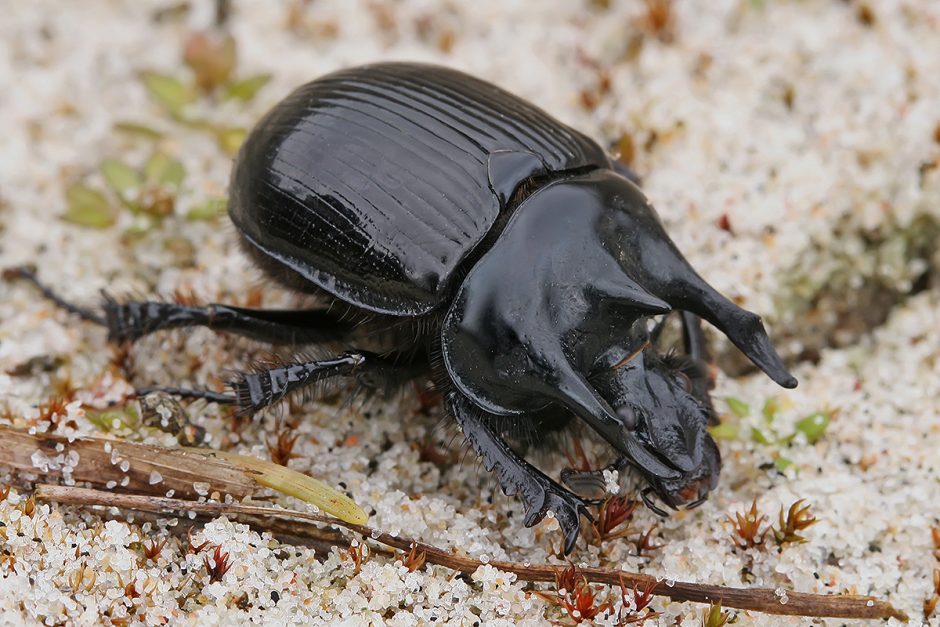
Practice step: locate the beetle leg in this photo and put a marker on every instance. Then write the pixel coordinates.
(255, 391)
(517, 477)
(131, 321)
(586, 482)
(212, 397)
(127, 322)
(694, 338)
(697, 349)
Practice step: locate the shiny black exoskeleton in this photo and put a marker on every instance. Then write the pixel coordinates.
(456, 230)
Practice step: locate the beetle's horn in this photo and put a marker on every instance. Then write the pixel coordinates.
(746, 330)
(743, 328)
(664, 266)
(656, 263)
(626, 291)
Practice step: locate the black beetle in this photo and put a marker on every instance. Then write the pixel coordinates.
(457, 230)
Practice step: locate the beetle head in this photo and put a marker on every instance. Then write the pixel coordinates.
(655, 396)
(692, 488)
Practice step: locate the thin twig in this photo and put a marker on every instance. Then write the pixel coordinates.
(754, 599)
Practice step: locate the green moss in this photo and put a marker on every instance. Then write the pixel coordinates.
(844, 287)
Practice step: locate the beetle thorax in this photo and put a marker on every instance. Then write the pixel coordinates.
(544, 304)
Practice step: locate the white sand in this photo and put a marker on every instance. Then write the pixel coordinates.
(853, 150)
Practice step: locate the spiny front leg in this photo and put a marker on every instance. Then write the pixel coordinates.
(539, 494)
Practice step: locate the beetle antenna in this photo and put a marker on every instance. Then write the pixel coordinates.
(623, 362)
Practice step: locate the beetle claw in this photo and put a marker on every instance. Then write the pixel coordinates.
(567, 509)
(571, 537)
(648, 501)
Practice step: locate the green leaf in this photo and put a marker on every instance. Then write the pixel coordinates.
(133, 128)
(168, 91)
(174, 174)
(760, 437)
(208, 210)
(724, 431)
(100, 419)
(122, 178)
(126, 418)
(782, 463)
(88, 207)
(139, 229)
(161, 169)
(156, 165)
(246, 88)
(738, 407)
(230, 139)
(813, 426)
(770, 409)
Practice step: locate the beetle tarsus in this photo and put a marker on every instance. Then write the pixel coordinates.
(130, 321)
(208, 395)
(29, 274)
(255, 391)
(259, 390)
(586, 482)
